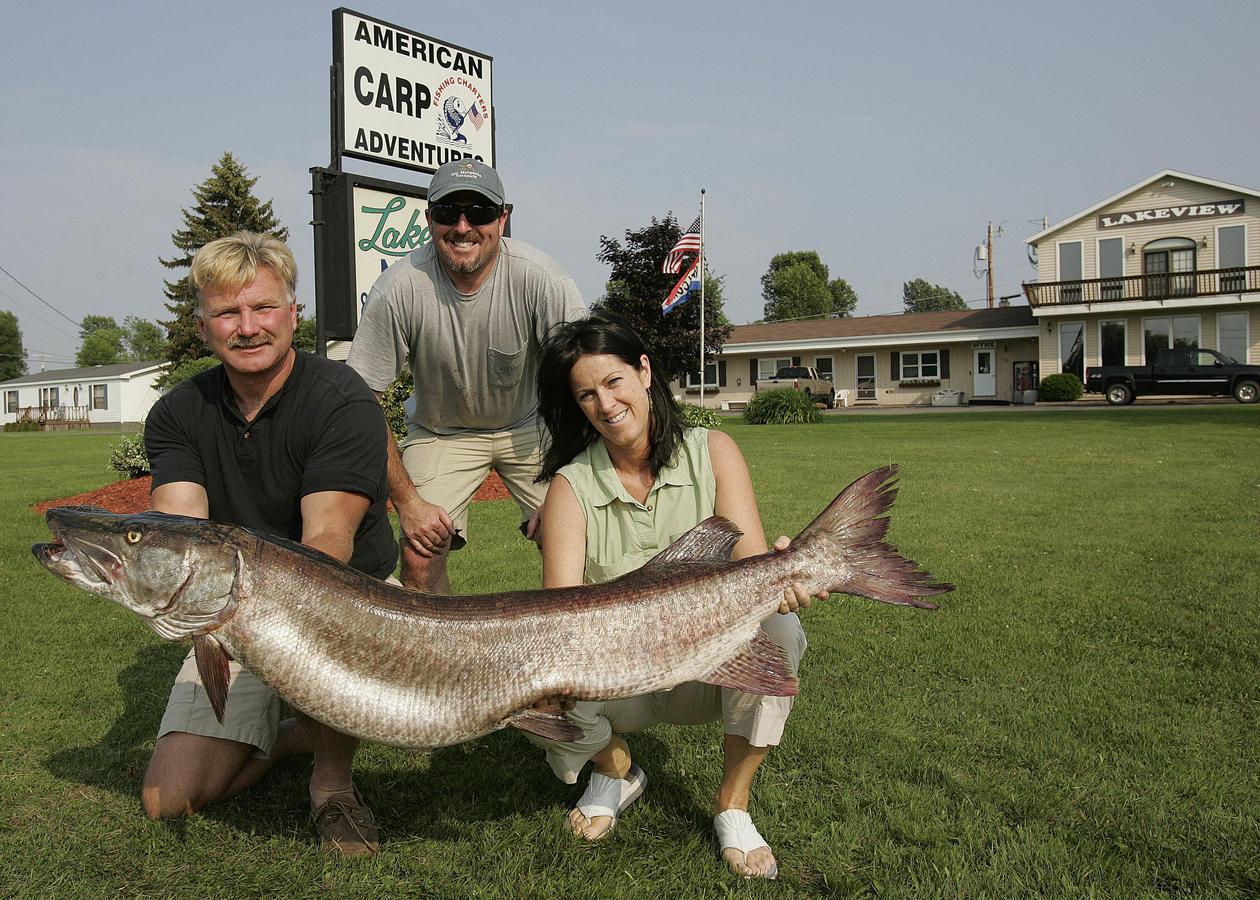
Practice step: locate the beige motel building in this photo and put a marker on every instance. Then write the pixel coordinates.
(1173, 261)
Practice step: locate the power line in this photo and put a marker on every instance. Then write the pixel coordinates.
(27, 311)
(39, 298)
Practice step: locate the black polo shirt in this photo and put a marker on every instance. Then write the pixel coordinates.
(322, 431)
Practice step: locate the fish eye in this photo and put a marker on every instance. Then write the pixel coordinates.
(133, 536)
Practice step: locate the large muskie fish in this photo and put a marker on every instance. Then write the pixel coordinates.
(423, 670)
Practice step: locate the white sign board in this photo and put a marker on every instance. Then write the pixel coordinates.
(386, 227)
(407, 99)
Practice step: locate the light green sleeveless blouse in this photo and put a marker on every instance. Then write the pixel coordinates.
(621, 533)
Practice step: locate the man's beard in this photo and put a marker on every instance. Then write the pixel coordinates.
(463, 265)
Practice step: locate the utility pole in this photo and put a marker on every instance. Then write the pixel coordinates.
(989, 244)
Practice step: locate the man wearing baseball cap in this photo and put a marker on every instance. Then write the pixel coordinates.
(470, 309)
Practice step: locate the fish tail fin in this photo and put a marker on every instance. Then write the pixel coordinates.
(852, 528)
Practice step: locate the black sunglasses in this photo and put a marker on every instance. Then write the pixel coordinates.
(477, 214)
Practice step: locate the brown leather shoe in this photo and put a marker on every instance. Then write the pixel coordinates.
(345, 828)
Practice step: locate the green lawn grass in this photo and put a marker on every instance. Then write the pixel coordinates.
(1079, 718)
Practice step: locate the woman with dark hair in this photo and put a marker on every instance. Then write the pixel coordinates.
(626, 480)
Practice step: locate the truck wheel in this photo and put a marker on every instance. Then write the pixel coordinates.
(1246, 392)
(1119, 394)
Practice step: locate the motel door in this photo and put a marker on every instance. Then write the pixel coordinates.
(983, 379)
(866, 376)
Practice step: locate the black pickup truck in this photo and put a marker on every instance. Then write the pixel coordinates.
(1180, 371)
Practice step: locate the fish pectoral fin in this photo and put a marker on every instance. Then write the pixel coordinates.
(760, 667)
(212, 666)
(554, 728)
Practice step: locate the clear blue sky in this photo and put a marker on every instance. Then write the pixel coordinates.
(884, 136)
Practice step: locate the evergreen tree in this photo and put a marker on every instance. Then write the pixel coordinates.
(225, 203)
(12, 353)
(636, 287)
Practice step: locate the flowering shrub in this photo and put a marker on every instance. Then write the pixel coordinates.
(694, 416)
(128, 457)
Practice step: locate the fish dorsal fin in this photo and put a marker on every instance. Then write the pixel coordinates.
(760, 667)
(552, 727)
(709, 542)
(212, 666)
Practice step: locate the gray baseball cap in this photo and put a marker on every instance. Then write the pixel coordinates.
(466, 175)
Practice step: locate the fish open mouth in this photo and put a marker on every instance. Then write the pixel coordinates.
(93, 562)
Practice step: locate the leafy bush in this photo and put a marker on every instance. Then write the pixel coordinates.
(1064, 386)
(392, 401)
(128, 457)
(694, 416)
(26, 425)
(781, 406)
(186, 370)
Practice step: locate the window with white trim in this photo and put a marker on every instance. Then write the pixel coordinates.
(50, 398)
(1163, 333)
(825, 366)
(710, 377)
(10, 401)
(1111, 334)
(920, 364)
(767, 367)
(1231, 331)
(100, 396)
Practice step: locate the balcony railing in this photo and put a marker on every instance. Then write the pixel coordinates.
(1156, 286)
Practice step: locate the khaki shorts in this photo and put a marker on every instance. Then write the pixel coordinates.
(756, 718)
(250, 716)
(447, 469)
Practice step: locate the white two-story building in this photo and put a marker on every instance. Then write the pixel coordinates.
(1173, 261)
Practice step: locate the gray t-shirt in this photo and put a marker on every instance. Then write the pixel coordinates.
(473, 356)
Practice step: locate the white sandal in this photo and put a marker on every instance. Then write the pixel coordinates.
(606, 796)
(736, 830)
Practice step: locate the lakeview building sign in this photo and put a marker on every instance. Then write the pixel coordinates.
(407, 99)
(1194, 211)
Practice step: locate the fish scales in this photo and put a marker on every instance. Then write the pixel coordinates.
(421, 670)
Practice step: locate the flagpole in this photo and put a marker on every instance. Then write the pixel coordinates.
(701, 271)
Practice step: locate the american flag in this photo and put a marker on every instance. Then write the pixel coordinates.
(475, 116)
(680, 293)
(688, 243)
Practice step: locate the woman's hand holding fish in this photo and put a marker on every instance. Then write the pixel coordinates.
(794, 597)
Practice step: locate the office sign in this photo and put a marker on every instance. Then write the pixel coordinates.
(406, 99)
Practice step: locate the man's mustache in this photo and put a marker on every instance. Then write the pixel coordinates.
(240, 343)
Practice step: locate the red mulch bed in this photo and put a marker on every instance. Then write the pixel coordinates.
(132, 496)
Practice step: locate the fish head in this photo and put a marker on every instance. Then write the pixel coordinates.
(179, 574)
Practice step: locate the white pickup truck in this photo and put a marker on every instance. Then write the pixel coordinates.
(802, 378)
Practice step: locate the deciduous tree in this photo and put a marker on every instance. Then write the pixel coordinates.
(636, 287)
(143, 339)
(225, 203)
(102, 347)
(798, 285)
(923, 296)
(12, 353)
